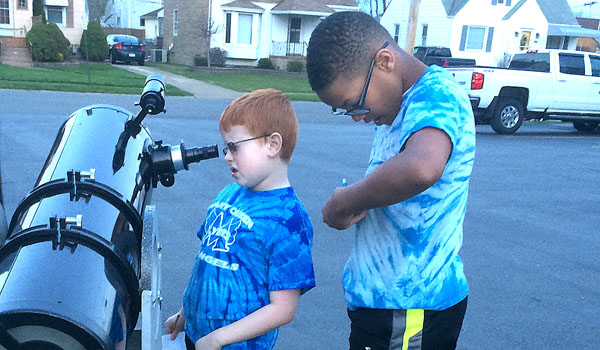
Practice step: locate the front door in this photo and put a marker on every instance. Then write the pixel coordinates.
(524, 41)
(294, 43)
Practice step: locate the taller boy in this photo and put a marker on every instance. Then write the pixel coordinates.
(404, 281)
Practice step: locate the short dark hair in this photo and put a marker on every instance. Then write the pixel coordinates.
(341, 44)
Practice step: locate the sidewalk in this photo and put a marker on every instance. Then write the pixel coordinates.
(196, 87)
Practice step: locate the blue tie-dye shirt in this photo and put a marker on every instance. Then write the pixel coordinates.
(252, 242)
(405, 255)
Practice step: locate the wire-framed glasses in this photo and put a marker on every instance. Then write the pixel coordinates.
(359, 108)
(233, 146)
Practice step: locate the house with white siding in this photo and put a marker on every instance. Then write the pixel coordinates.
(247, 30)
(489, 31)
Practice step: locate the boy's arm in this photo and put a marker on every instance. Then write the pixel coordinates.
(278, 312)
(403, 176)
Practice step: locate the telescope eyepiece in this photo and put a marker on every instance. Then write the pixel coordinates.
(152, 100)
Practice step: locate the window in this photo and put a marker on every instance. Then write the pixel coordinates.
(295, 24)
(571, 64)
(175, 22)
(531, 61)
(142, 22)
(55, 14)
(424, 35)
(22, 4)
(595, 61)
(4, 12)
(244, 29)
(228, 28)
(396, 32)
(475, 38)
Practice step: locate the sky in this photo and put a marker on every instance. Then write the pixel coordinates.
(585, 8)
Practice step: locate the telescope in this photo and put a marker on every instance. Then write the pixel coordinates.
(82, 248)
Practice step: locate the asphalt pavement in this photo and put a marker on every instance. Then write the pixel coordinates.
(530, 233)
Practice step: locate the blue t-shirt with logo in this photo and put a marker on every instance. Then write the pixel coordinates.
(252, 242)
(405, 255)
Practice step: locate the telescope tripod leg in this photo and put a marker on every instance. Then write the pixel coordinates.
(150, 282)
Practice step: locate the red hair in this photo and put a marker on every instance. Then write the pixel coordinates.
(263, 112)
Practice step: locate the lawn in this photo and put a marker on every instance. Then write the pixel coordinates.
(296, 88)
(105, 78)
(102, 78)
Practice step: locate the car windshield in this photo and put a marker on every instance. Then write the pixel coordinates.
(131, 40)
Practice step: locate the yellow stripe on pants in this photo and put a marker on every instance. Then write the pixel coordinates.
(414, 325)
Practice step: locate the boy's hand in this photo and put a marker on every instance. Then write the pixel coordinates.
(208, 342)
(175, 324)
(333, 215)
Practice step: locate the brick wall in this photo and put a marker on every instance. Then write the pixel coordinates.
(192, 23)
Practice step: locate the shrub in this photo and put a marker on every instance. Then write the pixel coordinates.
(200, 61)
(265, 63)
(295, 66)
(95, 39)
(47, 43)
(218, 57)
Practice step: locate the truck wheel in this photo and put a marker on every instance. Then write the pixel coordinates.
(507, 117)
(585, 126)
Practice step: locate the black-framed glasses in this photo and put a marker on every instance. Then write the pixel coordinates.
(360, 108)
(232, 146)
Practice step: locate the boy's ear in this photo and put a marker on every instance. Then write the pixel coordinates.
(275, 143)
(385, 60)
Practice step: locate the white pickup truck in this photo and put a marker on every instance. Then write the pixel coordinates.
(541, 84)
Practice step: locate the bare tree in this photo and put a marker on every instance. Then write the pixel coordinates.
(210, 30)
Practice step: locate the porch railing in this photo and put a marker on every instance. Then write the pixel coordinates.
(284, 48)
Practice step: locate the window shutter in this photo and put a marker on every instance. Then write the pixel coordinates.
(463, 38)
(494, 2)
(488, 46)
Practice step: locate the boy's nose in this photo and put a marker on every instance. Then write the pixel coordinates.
(358, 117)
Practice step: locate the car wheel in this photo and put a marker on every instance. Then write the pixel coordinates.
(141, 62)
(113, 59)
(507, 116)
(585, 126)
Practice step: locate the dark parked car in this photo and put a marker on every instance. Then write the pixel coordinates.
(125, 48)
(441, 56)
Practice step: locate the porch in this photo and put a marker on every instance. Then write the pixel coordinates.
(286, 48)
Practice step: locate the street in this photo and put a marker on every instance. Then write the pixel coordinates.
(530, 235)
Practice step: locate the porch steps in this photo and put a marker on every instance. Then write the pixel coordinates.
(14, 52)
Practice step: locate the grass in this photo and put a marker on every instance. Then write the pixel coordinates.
(103, 78)
(296, 88)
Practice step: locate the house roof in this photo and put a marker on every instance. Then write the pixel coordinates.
(152, 14)
(288, 6)
(453, 6)
(244, 4)
(556, 12)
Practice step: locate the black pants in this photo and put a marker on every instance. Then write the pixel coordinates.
(381, 329)
(189, 345)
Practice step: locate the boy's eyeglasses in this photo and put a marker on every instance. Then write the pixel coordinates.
(232, 146)
(360, 108)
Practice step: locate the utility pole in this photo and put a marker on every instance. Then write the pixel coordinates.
(412, 25)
